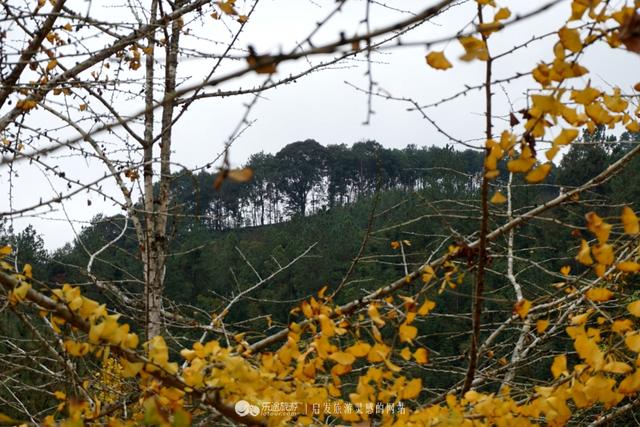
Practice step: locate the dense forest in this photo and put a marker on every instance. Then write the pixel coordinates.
(331, 197)
(305, 178)
(305, 193)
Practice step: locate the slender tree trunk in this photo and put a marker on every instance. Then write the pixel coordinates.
(157, 208)
(146, 247)
(156, 286)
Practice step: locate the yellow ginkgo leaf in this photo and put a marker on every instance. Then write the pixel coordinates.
(631, 384)
(130, 341)
(507, 141)
(599, 294)
(630, 221)
(498, 198)
(438, 61)
(632, 340)
(541, 74)
(421, 356)
(426, 307)
(566, 136)
(615, 102)
(427, 274)
(538, 174)
(502, 13)
(26, 104)
(20, 292)
(492, 174)
(577, 9)
(374, 315)
(559, 366)
(474, 49)
(522, 308)
(240, 175)
(587, 348)
(570, 115)
(412, 389)
(621, 326)
(343, 358)
(600, 269)
(634, 308)
(584, 254)
(570, 39)
(52, 64)
(628, 266)
(603, 253)
(405, 353)
(598, 114)
(307, 310)
(487, 28)
(360, 349)
(392, 367)
(76, 349)
(27, 271)
(552, 152)
(378, 353)
(565, 270)
(545, 104)
(158, 350)
(633, 126)
(597, 226)
(585, 96)
(5, 250)
(542, 325)
(407, 332)
(581, 319)
(227, 7)
(130, 369)
(326, 325)
(520, 165)
(616, 367)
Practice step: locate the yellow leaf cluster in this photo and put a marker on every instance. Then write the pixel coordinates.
(522, 308)
(599, 294)
(26, 104)
(474, 49)
(498, 198)
(630, 221)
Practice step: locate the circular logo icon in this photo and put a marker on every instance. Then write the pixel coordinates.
(242, 408)
(254, 410)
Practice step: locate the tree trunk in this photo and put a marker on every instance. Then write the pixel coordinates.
(157, 210)
(148, 255)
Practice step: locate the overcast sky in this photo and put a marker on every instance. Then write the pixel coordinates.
(322, 105)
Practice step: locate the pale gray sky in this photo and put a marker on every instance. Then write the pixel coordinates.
(322, 106)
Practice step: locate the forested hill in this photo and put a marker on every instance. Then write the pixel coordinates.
(309, 194)
(305, 177)
(219, 247)
(304, 194)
